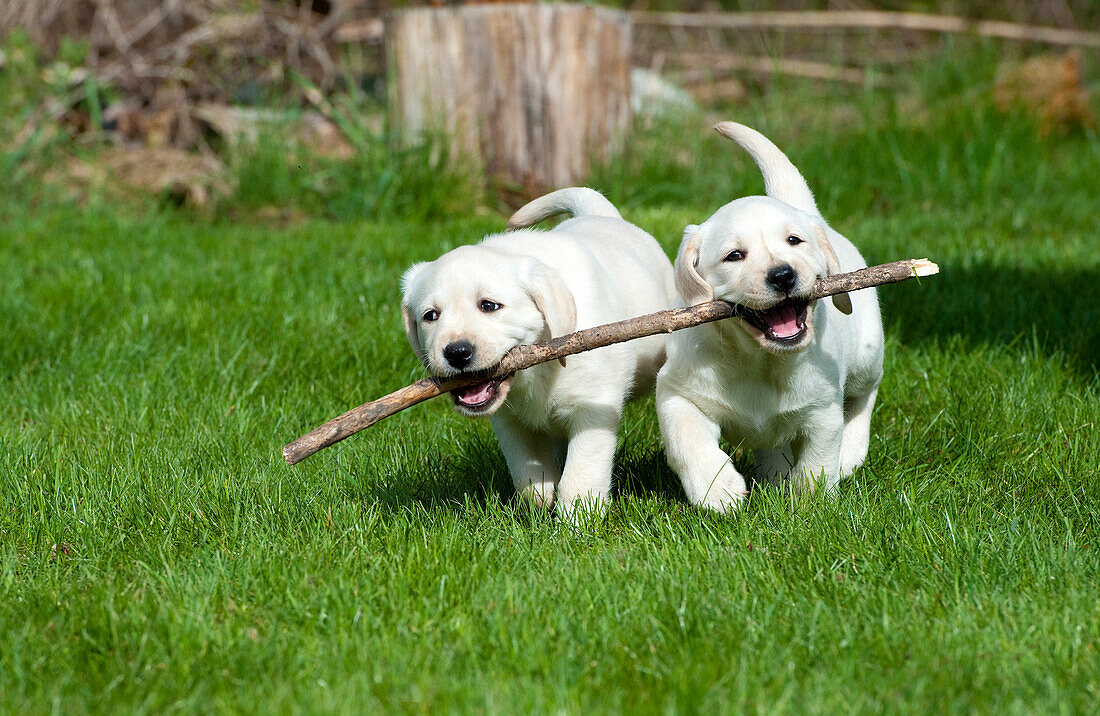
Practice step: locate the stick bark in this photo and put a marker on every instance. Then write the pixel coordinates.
(522, 357)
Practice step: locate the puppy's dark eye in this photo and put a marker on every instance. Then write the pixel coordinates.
(794, 240)
(735, 255)
(488, 306)
(430, 315)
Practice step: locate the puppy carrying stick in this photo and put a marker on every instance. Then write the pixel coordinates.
(795, 380)
(556, 423)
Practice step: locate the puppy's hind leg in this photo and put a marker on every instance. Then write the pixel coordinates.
(857, 431)
(531, 462)
(691, 446)
(818, 464)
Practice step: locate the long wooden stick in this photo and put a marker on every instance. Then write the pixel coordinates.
(714, 62)
(867, 19)
(522, 357)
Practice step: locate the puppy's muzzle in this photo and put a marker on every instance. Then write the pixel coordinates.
(458, 354)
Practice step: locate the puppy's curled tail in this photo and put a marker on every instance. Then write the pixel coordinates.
(577, 200)
(782, 180)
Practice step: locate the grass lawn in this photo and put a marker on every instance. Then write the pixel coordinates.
(156, 553)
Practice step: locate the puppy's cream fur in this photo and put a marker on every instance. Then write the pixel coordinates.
(556, 424)
(795, 384)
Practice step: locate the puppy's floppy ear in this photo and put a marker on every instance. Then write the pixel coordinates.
(411, 332)
(691, 286)
(842, 301)
(406, 312)
(553, 299)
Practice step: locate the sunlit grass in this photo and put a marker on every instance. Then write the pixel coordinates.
(156, 553)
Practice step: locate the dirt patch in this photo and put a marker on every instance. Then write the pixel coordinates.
(1050, 87)
(178, 176)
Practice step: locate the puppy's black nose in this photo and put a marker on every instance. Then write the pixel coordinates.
(459, 353)
(781, 277)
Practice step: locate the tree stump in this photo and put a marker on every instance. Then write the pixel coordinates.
(532, 92)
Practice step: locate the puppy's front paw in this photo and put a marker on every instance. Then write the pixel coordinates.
(722, 493)
(538, 494)
(582, 509)
(723, 502)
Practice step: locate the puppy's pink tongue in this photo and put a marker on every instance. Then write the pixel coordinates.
(474, 394)
(783, 320)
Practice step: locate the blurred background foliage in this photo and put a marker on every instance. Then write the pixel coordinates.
(276, 110)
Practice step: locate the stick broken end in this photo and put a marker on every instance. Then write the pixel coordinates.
(288, 454)
(924, 267)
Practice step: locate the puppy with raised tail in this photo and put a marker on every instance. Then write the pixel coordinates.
(794, 380)
(556, 424)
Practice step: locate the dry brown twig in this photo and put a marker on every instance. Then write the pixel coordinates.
(187, 51)
(868, 19)
(719, 62)
(522, 357)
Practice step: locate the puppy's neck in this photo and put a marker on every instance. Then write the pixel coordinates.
(747, 357)
(528, 401)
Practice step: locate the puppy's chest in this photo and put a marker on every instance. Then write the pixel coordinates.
(762, 416)
(553, 400)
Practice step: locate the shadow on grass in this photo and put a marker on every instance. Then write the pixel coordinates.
(644, 473)
(467, 472)
(1057, 309)
(473, 473)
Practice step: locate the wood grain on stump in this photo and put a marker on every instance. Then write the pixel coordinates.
(532, 92)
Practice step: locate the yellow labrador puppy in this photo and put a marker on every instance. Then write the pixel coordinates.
(794, 380)
(556, 424)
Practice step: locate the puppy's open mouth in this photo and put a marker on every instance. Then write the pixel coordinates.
(785, 324)
(481, 398)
